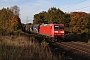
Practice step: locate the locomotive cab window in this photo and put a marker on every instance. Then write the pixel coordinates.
(58, 27)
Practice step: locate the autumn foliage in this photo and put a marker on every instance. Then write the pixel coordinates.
(8, 20)
(78, 23)
(15, 23)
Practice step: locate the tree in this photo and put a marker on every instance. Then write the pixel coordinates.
(87, 19)
(53, 15)
(78, 22)
(40, 18)
(5, 17)
(15, 9)
(8, 20)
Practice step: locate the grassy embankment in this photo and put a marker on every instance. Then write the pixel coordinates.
(14, 47)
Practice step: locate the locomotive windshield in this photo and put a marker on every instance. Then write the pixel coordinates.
(58, 27)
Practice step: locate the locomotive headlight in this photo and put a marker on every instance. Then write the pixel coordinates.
(62, 31)
(56, 31)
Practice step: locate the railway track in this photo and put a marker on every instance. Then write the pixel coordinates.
(78, 48)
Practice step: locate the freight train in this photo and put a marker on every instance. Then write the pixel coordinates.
(51, 30)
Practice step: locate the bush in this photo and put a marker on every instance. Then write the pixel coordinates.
(2, 31)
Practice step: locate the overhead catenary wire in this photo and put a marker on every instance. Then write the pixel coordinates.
(74, 4)
(77, 3)
(82, 8)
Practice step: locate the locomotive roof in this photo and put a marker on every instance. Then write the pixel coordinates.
(45, 24)
(49, 24)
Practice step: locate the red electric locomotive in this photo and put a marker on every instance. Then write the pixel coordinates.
(53, 30)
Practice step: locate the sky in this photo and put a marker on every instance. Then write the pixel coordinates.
(28, 8)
